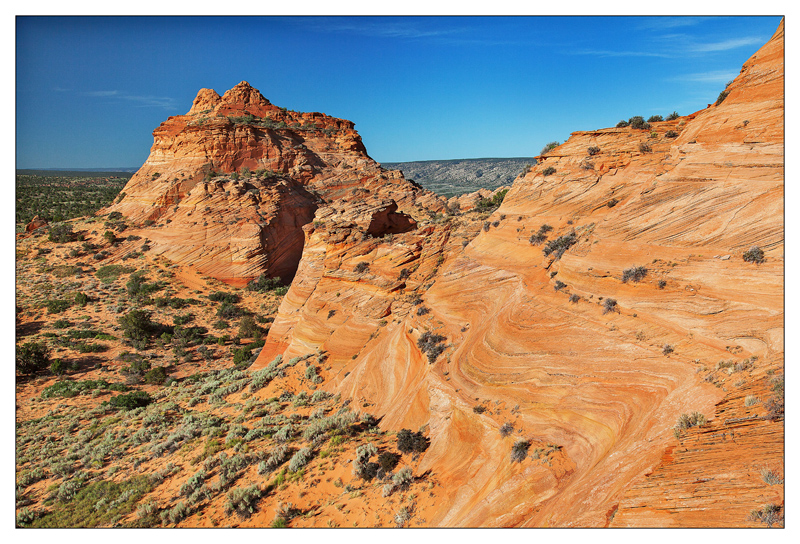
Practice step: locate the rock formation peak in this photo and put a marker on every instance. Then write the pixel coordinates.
(230, 185)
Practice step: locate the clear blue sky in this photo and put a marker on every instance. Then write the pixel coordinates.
(90, 90)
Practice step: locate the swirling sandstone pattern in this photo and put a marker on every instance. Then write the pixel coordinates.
(594, 391)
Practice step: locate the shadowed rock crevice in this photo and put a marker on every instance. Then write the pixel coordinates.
(389, 221)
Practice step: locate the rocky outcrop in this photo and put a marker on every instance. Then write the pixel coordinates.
(469, 201)
(228, 187)
(36, 222)
(542, 327)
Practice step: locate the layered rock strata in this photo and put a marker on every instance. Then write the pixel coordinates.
(228, 187)
(543, 327)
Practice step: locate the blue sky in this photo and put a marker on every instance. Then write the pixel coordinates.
(90, 90)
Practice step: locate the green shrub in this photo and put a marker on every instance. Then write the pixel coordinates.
(548, 171)
(655, 119)
(156, 376)
(645, 148)
(610, 305)
(61, 324)
(634, 273)
(137, 287)
(593, 150)
(69, 389)
(221, 296)
(137, 325)
(432, 345)
(488, 204)
(300, 459)
(241, 356)
(671, 134)
(179, 320)
(388, 460)
(58, 367)
(242, 500)
(561, 244)
(722, 96)
(506, 429)
(248, 327)
(550, 146)
(61, 233)
(408, 442)
(57, 306)
(136, 399)
(519, 451)
(541, 235)
(111, 272)
(265, 284)
(228, 310)
(361, 267)
(81, 299)
(754, 255)
(32, 357)
(672, 116)
(638, 122)
(623, 124)
(81, 510)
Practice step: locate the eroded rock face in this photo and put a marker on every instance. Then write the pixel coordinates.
(36, 222)
(228, 187)
(558, 344)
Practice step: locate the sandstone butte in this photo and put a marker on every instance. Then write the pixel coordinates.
(595, 392)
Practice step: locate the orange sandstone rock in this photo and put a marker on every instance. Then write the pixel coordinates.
(228, 187)
(589, 384)
(36, 222)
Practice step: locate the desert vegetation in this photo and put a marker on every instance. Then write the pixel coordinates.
(58, 198)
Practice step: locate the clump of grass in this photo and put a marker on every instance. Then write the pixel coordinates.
(751, 400)
(506, 429)
(687, 421)
(771, 477)
(609, 305)
(769, 514)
